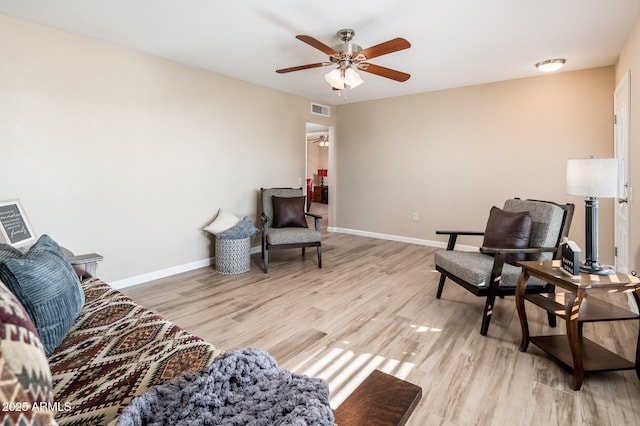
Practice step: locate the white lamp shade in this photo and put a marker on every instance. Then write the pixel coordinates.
(334, 78)
(592, 177)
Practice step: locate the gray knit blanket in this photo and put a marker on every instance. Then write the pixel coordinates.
(240, 387)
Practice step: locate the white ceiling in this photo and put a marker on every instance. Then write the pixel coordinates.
(454, 42)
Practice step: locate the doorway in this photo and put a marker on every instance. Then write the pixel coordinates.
(318, 168)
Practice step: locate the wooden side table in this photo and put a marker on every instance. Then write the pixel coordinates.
(321, 194)
(574, 350)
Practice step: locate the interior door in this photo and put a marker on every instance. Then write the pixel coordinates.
(621, 105)
(621, 136)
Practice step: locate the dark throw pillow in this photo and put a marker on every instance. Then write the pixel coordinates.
(508, 230)
(45, 283)
(288, 212)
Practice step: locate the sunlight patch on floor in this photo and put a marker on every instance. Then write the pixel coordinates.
(344, 370)
(424, 328)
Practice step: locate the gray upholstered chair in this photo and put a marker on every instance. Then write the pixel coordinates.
(491, 272)
(284, 223)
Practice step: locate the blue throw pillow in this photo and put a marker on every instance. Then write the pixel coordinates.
(244, 229)
(45, 283)
(9, 252)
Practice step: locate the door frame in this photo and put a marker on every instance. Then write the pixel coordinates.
(331, 168)
(621, 99)
(622, 226)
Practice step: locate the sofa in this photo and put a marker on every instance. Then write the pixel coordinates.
(78, 352)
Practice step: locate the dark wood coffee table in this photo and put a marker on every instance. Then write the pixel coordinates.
(381, 399)
(574, 350)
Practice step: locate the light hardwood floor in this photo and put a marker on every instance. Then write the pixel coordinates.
(373, 305)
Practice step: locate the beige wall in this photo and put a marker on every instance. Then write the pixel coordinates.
(630, 61)
(129, 155)
(450, 155)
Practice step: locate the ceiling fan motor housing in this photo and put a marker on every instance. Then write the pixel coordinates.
(346, 34)
(348, 51)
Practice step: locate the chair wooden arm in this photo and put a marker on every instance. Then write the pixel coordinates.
(85, 265)
(266, 220)
(316, 218)
(494, 250)
(459, 232)
(500, 255)
(453, 236)
(85, 258)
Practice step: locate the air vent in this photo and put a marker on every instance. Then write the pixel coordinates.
(320, 110)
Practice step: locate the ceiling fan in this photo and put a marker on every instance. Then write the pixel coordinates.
(321, 140)
(350, 55)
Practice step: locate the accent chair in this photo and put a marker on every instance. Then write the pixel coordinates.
(284, 223)
(522, 230)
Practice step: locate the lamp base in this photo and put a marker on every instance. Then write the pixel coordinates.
(597, 270)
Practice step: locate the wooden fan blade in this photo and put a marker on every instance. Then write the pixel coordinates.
(384, 72)
(384, 48)
(317, 44)
(303, 67)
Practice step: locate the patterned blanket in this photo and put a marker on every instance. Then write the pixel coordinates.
(241, 387)
(117, 350)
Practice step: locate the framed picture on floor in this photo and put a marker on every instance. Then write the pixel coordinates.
(15, 228)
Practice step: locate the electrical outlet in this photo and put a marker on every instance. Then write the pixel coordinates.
(416, 216)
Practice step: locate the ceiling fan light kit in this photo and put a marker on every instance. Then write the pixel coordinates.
(550, 65)
(335, 79)
(349, 56)
(339, 78)
(352, 78)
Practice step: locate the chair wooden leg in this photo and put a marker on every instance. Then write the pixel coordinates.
(319, 249)
(440, 286)
(265, 255)
(494, 285)
(553, 320)
(302, 251)
(486, 316)
(488, 311)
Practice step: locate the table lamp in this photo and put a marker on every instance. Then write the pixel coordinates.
(592, 178)
(322, 173)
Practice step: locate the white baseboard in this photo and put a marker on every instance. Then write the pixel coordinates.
(178, 269)
(410, 240)
(163, 273)
(156, 275)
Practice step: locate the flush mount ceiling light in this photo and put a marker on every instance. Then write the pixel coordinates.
(550, 65)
